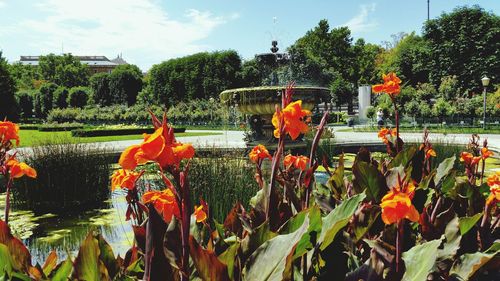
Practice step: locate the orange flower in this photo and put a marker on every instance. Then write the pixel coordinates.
(164, 203)
(293, 118)
(384, 132)
(469, 159)
(486, 153)
(396, 205)
(299, 162)
(430, 153)
(182, 151)
(391, 85)
(494, 183)
(199, 214)
(124, 179)
(9, 131)
(259, 152)
(19, 169)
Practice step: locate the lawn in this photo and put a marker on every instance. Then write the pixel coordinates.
(443, 130)
(34, 137)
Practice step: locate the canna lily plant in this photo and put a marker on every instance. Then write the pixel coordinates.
(393, 218)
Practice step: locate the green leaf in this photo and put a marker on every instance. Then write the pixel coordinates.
(20, 256)
(208, 266)
(336, 181)
(448, 182)
(469, 264)
(420, 260)
(424, 183)
(271, 259)
(258, 237)
(50, 263)
(308, 240)
(6, 262)
(369, 179)
(107, 256)
(403, 157)
(365, 221)
(337, 219)
(87, 265)
(444, 168)
(63, 270)
(228, 257)
(467, 223)
(452, 243)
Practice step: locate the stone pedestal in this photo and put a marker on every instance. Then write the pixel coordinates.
(364, 101)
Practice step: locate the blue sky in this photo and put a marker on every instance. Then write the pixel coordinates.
(150, 31)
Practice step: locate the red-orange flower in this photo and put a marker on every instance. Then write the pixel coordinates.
(9, 131)
(293, 118)
(430, 153)
(259, 152)
(396, 205)
(469, 159)
(19, 169)
(199, 213)
(124, 179)
(182, 151)
(494, 183)
(391, 85)
(299, 162)
(384, 132)
(164, 203)
(486, 153)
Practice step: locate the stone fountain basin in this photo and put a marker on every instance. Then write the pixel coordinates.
(262, 100)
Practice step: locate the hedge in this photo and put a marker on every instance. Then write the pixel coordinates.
(116, 132)
(59, 127)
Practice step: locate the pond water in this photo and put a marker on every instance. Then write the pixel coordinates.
(46, 232)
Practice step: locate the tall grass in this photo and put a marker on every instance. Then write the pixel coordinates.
(71, 177)
(221, 182)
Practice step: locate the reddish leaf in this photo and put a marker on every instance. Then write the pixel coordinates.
(50, 263)
(232, 223)
(207, 264)
(21, 257)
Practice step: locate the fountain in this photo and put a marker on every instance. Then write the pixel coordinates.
(258, 103)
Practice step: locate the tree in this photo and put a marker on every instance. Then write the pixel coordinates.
(78, 97)
(464, 43)
(60, 97)
(44, 97)
(366, 55)
(24, 100)
(65, 70)
(449, 88)
(7, 91)
(99, 84)
(25, 75)
(442, 108)
(125, 82)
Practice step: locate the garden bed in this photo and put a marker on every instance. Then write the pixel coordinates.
(116, 132)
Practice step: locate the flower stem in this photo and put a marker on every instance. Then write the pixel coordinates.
(396, 115)
(186, 219)
(7, 200)
(399, 244)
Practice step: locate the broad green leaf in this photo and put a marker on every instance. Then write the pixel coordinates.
(308, 240)
(444, 168)
(228, 257)
(420, 260)
(21, 257)
(467, 223)
(63, 271)
(369, 215)
(6, 262)
(254, 240)
(424, 183)
(271, 259)
(208, 266)
(336, 181)
(452, 243)
(369, 179)
(107, 256)
(337, 219)
(469, 264)
(50, 263)
(448, 182)
(403, 157)
(87, 264)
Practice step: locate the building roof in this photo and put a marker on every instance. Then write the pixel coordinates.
(119, 60)
(94, 61)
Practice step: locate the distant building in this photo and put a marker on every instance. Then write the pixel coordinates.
(96, 63)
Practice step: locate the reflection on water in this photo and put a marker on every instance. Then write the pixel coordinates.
(47, 232)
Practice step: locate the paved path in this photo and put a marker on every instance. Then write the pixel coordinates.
(234, 139)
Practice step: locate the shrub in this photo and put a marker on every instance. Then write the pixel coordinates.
(78, 97)
(58, 127)
(61, 115)
(116, 132)
(71, 178)
(25, 103)
(43, 100)
(60, 98)
(99, 85)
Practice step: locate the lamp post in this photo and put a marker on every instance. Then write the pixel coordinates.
(486, 81)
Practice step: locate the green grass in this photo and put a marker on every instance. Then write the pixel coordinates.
(34, 137)
(447, 130)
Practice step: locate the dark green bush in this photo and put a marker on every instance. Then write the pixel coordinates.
(71, 177)
(60, 98)
(59, 127)
(116, 132)
(78, 97)
(25, 102)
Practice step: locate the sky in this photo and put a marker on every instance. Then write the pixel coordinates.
(147, 32)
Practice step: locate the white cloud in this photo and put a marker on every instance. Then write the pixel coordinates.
(362, 22)
(140, 29)
(2, 3)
